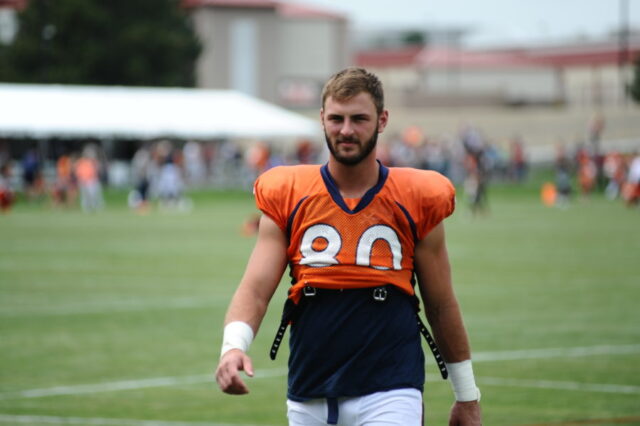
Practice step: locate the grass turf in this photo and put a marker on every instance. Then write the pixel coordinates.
(116, 297)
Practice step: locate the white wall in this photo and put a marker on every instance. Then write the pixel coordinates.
(596, 86)
(310, 50)
(8, 25)
(517, 84)
(267, 55)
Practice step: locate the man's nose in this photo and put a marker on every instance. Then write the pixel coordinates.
(347, 128)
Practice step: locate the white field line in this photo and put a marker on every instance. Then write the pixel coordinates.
(130, 305)
(558, 385)
(128, 385)
(107, 386)
(97, 421)
(278, 372)
(555, 353)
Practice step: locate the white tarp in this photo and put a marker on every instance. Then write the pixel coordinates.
(39, 111)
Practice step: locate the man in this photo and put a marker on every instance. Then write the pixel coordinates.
(354, 233)
(631, 189)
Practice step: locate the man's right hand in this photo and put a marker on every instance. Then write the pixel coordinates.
(228, 372)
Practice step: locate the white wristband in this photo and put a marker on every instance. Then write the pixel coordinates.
(237, 335)
(462, 381)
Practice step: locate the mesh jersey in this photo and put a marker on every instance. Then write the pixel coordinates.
(343, 343)
(333, 245)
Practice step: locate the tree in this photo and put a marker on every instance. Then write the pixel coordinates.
(414, 38)
(634, 87)
(115, 42)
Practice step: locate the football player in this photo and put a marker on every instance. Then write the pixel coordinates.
(357, 237)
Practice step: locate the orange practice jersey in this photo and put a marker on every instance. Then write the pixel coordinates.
(340, 244)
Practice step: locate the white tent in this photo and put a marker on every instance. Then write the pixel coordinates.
(42, 111)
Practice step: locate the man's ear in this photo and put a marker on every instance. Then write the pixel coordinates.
(383, 119)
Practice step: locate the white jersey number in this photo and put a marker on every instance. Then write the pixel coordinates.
(326, 256)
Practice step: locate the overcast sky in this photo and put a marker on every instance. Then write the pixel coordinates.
(492, 21)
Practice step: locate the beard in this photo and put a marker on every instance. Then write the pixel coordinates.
(356, 158)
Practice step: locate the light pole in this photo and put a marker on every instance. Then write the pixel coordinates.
(623, 52)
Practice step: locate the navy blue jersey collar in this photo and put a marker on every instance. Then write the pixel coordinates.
(365, 200)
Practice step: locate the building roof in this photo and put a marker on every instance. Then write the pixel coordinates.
(291, 10)
(447, 57)
(586, 54)
(14, 4)
(283, 8)
(440, 57)
(266, 4)
(396, 57)
(575, 54)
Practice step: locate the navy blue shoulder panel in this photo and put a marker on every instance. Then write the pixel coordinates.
(365, 200)
(293, 215)
(412, 223)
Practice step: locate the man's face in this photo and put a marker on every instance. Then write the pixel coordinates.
(351, 127)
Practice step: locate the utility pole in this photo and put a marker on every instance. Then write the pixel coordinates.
(623, 52)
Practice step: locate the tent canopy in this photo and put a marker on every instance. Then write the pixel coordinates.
(41, 111)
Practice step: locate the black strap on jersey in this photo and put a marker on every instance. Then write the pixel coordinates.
(432, 345)
(291, 310)
(427, 336)
(277, 341)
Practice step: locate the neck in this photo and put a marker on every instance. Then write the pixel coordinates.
(354, 181)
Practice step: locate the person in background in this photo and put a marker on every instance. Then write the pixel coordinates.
(170, 184)
(7, 196)
(631, 190)
(64, 189)
(142, 173)
(587, 171)
(88, 174)
(615, 173)
(518, 160)
(563, 171)
(32, 175)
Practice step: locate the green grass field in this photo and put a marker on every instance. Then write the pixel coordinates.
(115, 318)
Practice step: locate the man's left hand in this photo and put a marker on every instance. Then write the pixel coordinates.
(465, 414)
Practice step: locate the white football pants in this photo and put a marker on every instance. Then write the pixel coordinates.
(401, 407)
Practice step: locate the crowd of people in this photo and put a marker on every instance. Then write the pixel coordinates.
(613, 173)
(469, 160)
(160, 172)
(77, 176)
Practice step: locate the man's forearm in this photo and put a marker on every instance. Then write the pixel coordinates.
(449, 332)
(451, 338)
(245, 306)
